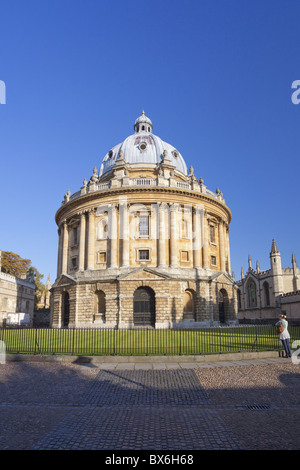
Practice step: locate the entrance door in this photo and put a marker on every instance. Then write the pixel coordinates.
(221, 312)
(144, 307)
(223, 305)
(66, 309)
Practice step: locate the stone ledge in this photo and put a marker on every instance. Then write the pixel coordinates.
(242, 356)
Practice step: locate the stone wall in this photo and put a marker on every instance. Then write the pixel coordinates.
(16, 296)
(169, 306)
(290, 304)
(41, 318)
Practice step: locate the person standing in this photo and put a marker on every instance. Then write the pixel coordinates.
(284, 335)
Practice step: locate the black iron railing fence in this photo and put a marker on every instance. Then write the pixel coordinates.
(104, 341)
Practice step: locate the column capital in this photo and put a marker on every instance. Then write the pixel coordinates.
(197, 210)
(163, 206)
(175, 207)
(221, 221)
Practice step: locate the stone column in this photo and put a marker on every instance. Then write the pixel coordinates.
(197, 235)
(81, 263)
(221, 245)
(91, 240)
(228, 249)
(124, 234)
(204, 225)
(162, 236)
(59, 254)
(173, 236)
(113, 231)
(65, 247)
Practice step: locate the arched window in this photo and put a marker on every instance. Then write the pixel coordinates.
(99, 305)
(266, 294)
(102, 229)
(251, 290)
(183, 228)
(189, 305)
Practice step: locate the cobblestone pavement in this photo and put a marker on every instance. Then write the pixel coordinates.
(237, 405)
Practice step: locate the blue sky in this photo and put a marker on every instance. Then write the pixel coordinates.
(214, 77)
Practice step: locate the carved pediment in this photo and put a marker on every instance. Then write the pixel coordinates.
(224, 278)
(64, 280)
(144, 273)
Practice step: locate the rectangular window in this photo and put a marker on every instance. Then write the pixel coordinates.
(74, 262)
(213, 261)
(144, 255)
(144, 226)
(184, 256)
(212, 234)
(75, 236)
(102, 257)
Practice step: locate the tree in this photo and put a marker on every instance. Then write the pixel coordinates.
(15, 265)
(12, 263)
(35, 278)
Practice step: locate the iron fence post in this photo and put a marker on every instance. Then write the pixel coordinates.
(35, 341)
(179, 342)
(73, 342)
(147, 351)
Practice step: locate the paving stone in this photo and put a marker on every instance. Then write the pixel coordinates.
(215, 406)
(159, 428)
(157, 409)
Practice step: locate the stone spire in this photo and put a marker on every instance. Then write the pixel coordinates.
(257, 267)
(249, 262)
(275, 260)
(274, 248)
(48, 283)
(296, 277)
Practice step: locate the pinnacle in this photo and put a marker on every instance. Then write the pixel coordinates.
(274, 248)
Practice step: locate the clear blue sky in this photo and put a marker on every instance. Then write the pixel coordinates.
(214, 77)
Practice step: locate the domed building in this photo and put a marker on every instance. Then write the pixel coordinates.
(143, 243)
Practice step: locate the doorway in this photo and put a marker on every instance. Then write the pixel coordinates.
(144, 307)
(65, 309)
(223, 305)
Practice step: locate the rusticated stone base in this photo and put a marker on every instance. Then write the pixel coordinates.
(168, 297)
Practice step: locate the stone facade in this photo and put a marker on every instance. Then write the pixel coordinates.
(16, 296)
(264, 295)
(143, 235)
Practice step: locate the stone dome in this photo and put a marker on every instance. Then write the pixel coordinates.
(143, 147)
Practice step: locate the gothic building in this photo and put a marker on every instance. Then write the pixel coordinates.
(143, 243)
(264, 295)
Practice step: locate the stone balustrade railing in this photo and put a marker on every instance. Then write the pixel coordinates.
(160, 181)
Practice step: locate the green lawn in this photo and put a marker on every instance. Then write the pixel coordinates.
(142, 342)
